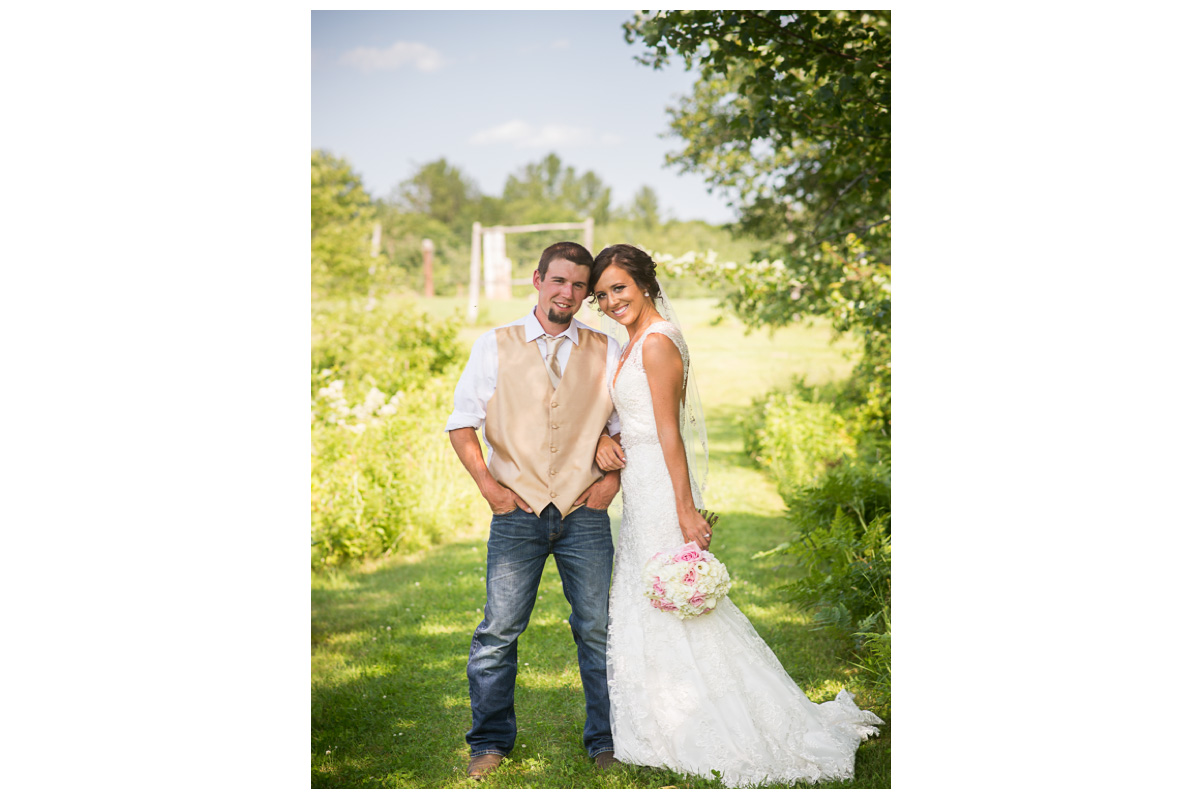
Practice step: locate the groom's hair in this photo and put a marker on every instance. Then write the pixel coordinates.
(575, 253)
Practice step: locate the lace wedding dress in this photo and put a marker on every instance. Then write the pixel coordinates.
(706, 693)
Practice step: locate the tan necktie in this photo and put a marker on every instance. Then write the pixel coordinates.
(552, 345)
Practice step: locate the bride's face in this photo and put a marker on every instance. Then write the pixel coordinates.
(619, 296)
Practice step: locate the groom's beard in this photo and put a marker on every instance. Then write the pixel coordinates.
(559, 317)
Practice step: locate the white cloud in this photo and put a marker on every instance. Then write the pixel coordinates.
(524, 135)
(371, 59)
(561, 44)
(560, 135)
(514, 131)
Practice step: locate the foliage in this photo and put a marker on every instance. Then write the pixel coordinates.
(383, 479)
(544, 191)
(644, 207)
(440, 202)
(792, 110)
(440, 192)
(368, 346)
(838, 493)
(386, 484)
(403, 234)
(791, 116)
(342, 219)
(795, 439)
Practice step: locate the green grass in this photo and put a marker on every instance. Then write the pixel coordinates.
(389, 639)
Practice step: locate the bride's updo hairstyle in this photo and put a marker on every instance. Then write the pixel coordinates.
(636, 262)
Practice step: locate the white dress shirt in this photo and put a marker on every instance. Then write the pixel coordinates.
(478, 382)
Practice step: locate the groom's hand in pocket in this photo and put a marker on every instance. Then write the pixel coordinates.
(600, 494)
(504, 500)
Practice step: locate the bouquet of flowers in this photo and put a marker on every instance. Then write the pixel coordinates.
(686, 582)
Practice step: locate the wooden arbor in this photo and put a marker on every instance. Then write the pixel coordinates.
(488, 252)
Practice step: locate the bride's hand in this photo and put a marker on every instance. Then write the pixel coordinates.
(695, 529)
(609, 455)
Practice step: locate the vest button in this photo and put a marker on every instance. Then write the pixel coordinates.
(554, 494)
(555, 425)
(553, 472)
(553, 449)
(554, 405)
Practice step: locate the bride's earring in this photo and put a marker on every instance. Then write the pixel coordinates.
(647, 294)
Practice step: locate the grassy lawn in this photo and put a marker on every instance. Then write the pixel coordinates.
(390, 705)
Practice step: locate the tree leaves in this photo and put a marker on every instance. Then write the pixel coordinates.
(791, 117)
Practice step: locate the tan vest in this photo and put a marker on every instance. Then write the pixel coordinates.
(544, 439)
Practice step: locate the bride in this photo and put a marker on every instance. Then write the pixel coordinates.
(704, 693)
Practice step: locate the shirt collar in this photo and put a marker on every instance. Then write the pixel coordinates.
(534, 329)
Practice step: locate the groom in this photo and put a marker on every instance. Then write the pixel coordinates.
(537, 388)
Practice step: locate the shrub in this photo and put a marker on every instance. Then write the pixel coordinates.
(376, 346)
(384, 478)
(837, 489)
(795, 439)
(389, 485)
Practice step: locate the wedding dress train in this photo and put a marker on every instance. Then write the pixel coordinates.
(706, 693)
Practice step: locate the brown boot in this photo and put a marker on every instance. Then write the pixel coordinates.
(605, 760)
(481, 765)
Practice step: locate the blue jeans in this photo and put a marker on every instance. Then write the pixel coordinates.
(517, 550)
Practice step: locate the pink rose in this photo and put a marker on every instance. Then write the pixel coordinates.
(658, 586)
(668, 606)
(697, 599)
(689, 553)
(690, 578)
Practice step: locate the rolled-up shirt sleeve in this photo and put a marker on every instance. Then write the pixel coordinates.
(614, 358)
(477, 384)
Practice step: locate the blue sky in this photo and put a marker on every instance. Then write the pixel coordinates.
(493, 90)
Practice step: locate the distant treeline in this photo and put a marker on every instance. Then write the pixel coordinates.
(440, 202)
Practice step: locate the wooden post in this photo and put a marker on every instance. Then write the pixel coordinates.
(589, 227)
(503, 290)
(427, 252)
(473, 292)
(376, 237)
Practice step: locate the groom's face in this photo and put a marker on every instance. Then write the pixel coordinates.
(562, 292)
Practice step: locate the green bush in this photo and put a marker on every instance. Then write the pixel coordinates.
(389, 485)
(384, 478)
(837, 489)
(844, 547)
(389, 348)
(795, 439)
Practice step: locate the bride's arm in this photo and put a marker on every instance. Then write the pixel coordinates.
(664, 372)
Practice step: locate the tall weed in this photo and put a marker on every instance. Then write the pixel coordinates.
(392, 486)
(384, 478)
(795, 439)
(837, 489)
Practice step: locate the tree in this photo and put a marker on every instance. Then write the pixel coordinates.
(546, 192)
(342, 218)
(644, 208)
(442, 192)
(791, 117)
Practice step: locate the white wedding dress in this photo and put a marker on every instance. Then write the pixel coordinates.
(705, 693)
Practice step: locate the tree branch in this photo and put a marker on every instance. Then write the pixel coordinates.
(857, 229)
(837, 200)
